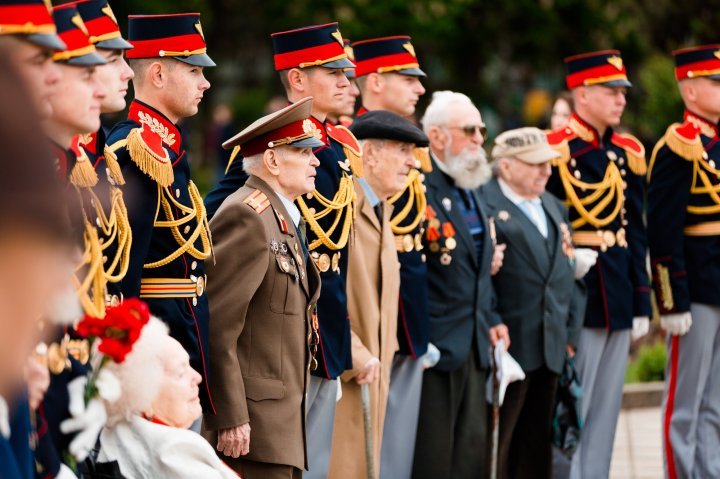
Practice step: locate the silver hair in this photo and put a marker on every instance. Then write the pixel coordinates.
(140, 374)
(252, 164)
(438, 111)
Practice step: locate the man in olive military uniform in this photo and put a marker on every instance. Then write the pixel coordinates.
(311, 61)
(600, 175)
(263, 334)
(683, 233)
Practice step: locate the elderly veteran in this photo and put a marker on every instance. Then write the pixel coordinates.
(539, 267)
(147, 426)
(263, 290)
(388, 142)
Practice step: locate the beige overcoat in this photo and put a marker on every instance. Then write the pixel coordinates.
(373, 289)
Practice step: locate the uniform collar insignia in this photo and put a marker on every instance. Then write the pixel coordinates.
(157, 123)
(583, 130)
(706, 127)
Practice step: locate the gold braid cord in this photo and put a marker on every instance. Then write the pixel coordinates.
(113, 167)
(83, 173)
(91, 289)
(416, 203)
(703, 185)
(342, 205)
(195, 213)
(603, 192)
(114, 229)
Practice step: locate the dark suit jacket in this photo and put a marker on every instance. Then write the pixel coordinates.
(537, 295)
(461, 296)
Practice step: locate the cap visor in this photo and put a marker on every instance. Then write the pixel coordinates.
(89, 60)
(617, 84)
(350, 73)
(202, 60)
(415, 72)
(114, 44)
(51, 42)
(307, 143)
(538, 155)
(342, 63)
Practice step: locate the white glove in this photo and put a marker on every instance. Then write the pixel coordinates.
(87, 422)
(585, 258)
(676, 324)
(641, 326)
(431, 356)
(65, 473)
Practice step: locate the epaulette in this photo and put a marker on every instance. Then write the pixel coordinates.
(422, 155)
(634, 150)
(559, 140)
(684, 140)
(83, 173)
(146, 150)
(258, 201)
(351, 147)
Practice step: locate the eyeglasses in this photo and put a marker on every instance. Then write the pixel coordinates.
(471, 130)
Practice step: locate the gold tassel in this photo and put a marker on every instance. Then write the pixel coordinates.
(114, 171)
(83, 174)
(233, 155)
(564, 149)
(665, 288)
(152, 164)
(636, 162)
(688, 149)
(422, 155)
(356, 162)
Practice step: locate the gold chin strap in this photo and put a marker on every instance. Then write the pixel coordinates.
(342, 204)
(604, 192)
(200, 229)
(416, 204)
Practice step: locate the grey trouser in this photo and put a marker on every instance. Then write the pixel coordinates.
(401, 418)
(320, 406)
(600, 361)
(691, 403)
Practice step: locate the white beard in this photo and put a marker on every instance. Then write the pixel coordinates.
(469, 169)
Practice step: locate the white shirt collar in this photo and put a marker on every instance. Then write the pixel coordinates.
(4, 419)
(512, 196)
(292, 210)
(369, 192)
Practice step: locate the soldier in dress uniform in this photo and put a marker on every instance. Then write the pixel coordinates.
(344, 115)
(684, 237)
(388, 141)
(263, 334)
(389, 74)
(170, 236)
(600, 176)
(311, 62)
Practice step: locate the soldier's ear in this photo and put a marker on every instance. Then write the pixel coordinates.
(271, 158)
(156, 74)
(375, 82)
(297, 80)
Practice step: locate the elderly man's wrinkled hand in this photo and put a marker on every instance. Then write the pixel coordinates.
(234, 441)
(369, 373)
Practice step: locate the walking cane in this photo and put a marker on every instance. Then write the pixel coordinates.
(369, 451)
(495, 417)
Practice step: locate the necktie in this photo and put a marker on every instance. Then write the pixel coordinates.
(378, 211)
(302, 233)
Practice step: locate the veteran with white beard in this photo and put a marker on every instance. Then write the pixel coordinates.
(458, 240)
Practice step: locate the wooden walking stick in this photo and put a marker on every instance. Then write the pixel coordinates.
(495, 417)
(369, 450)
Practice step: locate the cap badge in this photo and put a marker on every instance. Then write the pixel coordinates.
(338, 36)
(310, 127)
(717, 53)
(108, 11)
(615, 61)
(198, 27)
(408, 46)
(77, 21)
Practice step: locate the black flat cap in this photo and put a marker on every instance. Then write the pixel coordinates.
(384, 125)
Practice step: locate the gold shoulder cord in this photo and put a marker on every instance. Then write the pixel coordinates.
(114, 229)
(611, 187)
(89, 278)
(189, 213)
(343, 203)
(701, 168)
(416, 201)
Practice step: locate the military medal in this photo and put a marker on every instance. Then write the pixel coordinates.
(284, 263)
(408, 243)
(336, 262)
(447, 203)
(503, 215)
(274, 247)
(445, 259)
(283, 248)
(450, 243)
(418, 242)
